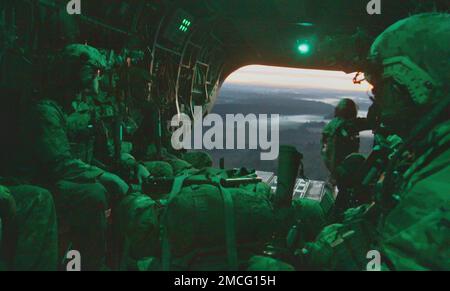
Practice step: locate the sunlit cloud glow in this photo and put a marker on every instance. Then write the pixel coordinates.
(296, 78)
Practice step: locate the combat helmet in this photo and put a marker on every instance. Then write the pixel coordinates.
(77, 67)
(415, 53)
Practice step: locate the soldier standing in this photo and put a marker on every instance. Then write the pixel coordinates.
(340, 136)
(340, 140)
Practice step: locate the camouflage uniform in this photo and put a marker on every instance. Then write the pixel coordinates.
(44, 156)
(340, 141)
(330, 154)
(409, 222)
(81, 201)
(419, 223)
(30, 242)
(340, 138)
(134, 212)
(415, 233)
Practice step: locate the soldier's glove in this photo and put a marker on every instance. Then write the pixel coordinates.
(114, 184)
(342, 246)
(320, 255)
(7, 204)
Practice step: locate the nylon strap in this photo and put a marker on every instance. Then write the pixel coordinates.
(230, 229)
(176, 188)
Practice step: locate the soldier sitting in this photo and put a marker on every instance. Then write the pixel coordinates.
(82, 192)
(408, 225)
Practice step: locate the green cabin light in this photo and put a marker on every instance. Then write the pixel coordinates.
(304, 48)
(184, 25)
(305, 24)
(183, 28)
(186, 22)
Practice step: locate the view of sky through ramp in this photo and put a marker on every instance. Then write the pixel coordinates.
(305, 101)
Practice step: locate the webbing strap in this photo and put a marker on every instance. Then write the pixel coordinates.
(230, 228)
(230, 225)
(165, 246)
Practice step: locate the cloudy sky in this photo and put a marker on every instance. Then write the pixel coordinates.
(296, 78)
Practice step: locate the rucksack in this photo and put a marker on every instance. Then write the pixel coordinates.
(206, 225)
